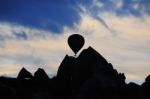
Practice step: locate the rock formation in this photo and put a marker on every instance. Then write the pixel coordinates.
(88, 71)
(40, 74)
(88, 76)
(24, 74)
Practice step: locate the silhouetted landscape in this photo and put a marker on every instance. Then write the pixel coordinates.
(89, 76)
(74, 49)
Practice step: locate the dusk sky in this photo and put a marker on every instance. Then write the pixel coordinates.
(33, 34)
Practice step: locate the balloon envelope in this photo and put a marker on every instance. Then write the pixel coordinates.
(76, 42)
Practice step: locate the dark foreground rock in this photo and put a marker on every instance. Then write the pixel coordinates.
(89, 76)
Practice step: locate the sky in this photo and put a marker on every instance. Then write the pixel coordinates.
(33, 34)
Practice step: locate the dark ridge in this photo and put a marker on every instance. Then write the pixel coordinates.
(89, 76)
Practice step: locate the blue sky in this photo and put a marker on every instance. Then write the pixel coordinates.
(33, 33)
(46, 14)
(52, 15)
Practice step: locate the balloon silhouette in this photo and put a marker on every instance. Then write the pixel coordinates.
(76, 42)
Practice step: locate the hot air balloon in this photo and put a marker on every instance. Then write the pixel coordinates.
(76, 42)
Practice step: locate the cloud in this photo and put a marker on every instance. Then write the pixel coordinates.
(121, 7)
(47, 13)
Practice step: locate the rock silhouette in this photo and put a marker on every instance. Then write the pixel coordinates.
(146, 88)
(24, 74)
(87, 72)
(88, 76)
(90, 64)
(40, 74)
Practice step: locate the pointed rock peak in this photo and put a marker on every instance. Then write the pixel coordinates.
(92, 54)
(23, 68)
(40, 74)
(67, 60)
(65, 64)
(147, 79)
(66, 57)
(90, 48)
(24, 74)
(89, 51)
